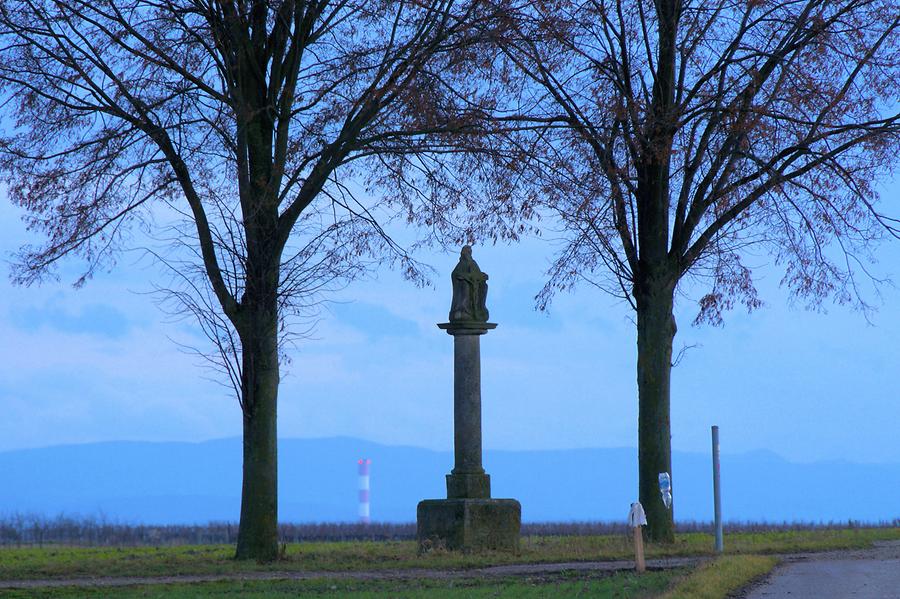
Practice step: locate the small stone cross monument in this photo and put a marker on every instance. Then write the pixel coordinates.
(468, 519)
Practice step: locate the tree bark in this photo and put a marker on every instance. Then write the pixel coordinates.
(258, 532)
(656, 332)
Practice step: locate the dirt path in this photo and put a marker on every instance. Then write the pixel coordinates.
(865, 574)
(493, 571)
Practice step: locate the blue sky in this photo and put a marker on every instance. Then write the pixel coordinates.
(99, 363)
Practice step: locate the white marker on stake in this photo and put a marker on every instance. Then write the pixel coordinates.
(636, 519)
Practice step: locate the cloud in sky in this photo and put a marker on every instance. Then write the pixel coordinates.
(98, 364)
(375, 321)
(93, 319)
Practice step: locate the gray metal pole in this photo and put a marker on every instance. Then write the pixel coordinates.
(717, 488)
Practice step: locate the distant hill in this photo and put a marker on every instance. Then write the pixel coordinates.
(174, 483)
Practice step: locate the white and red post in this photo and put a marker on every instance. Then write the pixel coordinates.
(364, 513)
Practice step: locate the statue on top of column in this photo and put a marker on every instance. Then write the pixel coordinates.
(469, 290)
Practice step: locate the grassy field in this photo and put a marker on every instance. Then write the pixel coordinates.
(70, 562)
(721, 577)
(714, 580)
(622, 585)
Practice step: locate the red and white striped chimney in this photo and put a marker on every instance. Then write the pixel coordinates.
(364, 490)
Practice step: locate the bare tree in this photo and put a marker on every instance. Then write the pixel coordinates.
(268, 124)
(679, 132)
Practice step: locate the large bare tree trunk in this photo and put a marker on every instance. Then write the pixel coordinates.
(656, 331)
(258, 533)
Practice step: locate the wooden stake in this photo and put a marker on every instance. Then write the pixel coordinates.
(639, 564)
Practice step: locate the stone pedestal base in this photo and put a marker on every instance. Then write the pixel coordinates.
(469, 524)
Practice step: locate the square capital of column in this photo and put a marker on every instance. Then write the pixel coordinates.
(467, 327)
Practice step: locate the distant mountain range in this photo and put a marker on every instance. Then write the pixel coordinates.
(183, 483)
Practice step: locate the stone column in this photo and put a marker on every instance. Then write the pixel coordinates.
(468, 479)
(467, 403)
(468, 519)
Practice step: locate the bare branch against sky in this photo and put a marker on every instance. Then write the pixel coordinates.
(679, 133)
(271, 127)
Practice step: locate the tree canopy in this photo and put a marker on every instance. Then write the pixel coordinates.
(677, 134)
(283, 131)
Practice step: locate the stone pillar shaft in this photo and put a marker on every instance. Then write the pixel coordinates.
(468, 479)
(467, 404)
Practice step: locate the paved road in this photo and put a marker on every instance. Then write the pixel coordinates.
(869, 574)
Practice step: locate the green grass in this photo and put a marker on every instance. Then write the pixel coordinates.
(719, 578)
(713, 580)
(69, 562)
(618, 586)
